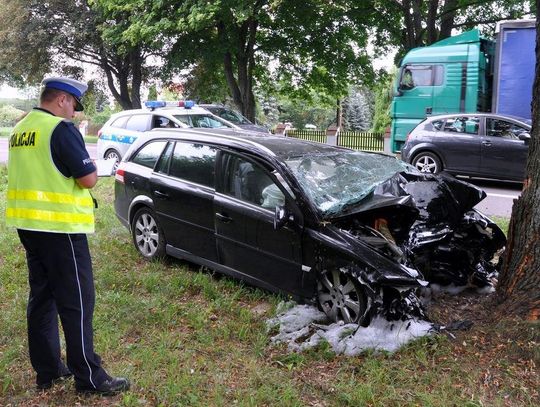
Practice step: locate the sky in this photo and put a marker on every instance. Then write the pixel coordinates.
(9, 92)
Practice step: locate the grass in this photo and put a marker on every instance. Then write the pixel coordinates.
(90, 139)
(188, 338)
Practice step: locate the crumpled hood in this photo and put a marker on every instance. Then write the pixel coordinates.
(426, 197)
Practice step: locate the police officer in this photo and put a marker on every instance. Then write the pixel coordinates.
(48, 201)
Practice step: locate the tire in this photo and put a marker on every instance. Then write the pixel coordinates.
(147, 234)
(342, 298)
(112, 153)
(427, 162)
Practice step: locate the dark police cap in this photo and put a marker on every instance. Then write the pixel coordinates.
(73, 87)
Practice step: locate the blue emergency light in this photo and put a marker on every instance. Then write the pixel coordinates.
(154, 104)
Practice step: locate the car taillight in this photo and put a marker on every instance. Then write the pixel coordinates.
(119, 175)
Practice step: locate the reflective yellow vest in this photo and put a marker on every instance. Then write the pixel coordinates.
(39, 196)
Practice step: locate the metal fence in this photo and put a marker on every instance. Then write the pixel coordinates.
(311, 135)
(361, 140)
(351, 139)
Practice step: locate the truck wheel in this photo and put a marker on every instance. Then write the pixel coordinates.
(427, 162)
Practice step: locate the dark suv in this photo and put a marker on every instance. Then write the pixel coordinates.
(344, 229)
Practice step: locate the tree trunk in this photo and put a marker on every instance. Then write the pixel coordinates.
(519, 283)
(241, 85)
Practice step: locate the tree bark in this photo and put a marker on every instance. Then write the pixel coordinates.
(519, 284)
(241, 85)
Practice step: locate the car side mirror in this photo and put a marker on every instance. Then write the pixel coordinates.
(281, 217)
(526, 137)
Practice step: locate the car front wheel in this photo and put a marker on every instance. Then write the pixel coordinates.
(427, 162)
(147, 234)
(342, 298)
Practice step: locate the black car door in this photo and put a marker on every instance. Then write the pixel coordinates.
(182, 188)
(459, 143)
(244, 217)
(503, 154)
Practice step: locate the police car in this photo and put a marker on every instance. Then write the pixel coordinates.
(122, 129)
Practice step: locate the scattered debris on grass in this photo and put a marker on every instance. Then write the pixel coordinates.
(303, 327)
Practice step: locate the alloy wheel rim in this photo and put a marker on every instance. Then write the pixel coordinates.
(340, 298)
(146, 235)
(426, 164)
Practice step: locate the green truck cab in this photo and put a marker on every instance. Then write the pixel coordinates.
(450, 76)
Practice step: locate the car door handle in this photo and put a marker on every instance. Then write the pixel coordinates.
(223, 218)
(161, 194)
(486, 143)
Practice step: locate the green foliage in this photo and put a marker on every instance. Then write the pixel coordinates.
(152, 92)
(410, 24)
(357, 109)
(316, 110)
(94, 99)
(9, 115)
(383, 98)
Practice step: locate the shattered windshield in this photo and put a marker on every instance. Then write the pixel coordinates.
(338, 180)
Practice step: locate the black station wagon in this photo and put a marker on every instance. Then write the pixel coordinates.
(356, 233)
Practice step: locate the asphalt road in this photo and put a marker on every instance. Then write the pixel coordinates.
(499, 200)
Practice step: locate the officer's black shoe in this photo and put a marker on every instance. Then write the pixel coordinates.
(109, 387)
(50, 383)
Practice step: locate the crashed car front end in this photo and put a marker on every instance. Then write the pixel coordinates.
(419, 223)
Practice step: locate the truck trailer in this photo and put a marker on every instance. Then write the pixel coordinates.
(466, 73)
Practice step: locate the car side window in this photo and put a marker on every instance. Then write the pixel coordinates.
(249, 182)
(120, 122)
(163, 163)
(465, 125)
(503, 128)
(138, 122)
(438, 124)
(149, 153)
(160, 122)
(183, 119)
(194, 162)
(205, 122)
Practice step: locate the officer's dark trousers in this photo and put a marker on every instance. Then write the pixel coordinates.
(61, 284)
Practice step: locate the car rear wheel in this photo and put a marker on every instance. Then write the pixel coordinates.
(342, 298)
(427, 162)
(113, 155)
(147, 234)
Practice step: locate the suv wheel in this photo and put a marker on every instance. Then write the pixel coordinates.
(427, 162)
(342, 298)
(147, 234)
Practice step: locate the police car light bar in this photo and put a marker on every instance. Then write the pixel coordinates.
(153, 104)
